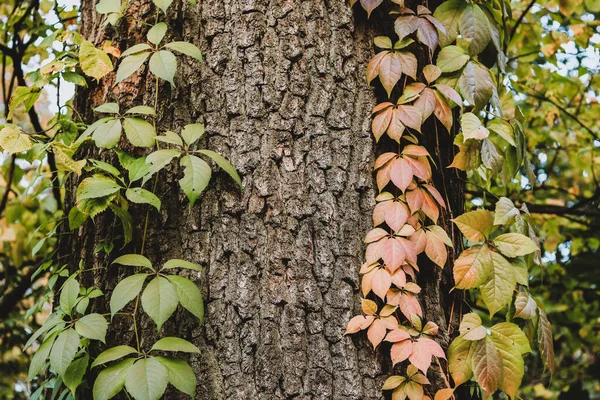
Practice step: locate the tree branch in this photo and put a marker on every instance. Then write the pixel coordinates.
(520, 19)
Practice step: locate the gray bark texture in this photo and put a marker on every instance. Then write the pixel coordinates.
(283, 96)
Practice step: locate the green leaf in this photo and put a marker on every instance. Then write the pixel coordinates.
(140, 133)
(68, 295)
(158, 160)
(186, 48)
(129, 65)
(473, 267)
(157, 33)
(134, 260)
(108, 6)
(106, 167)
(126, 221)
(125, 291)
(112, 354)
(40, 356)
(177, 263)
(138, 169)
(82, 305)
(53, 320)
(147, 379)
(472, 128)
(108, 108)
(64, 350)
(487, 365)
(162, 4)
(452, 58)
(96, 186)
(189, 295)
(111, 380)
(14, 140)
(515, 245)
(475, 225)
(143, 196)
(175, 344)
(448, 13)
(75, 372)
(476, 85)
(180, 374)
(145, 110)
(170, 137)
(224, 164)
(163, 64)
(504, 130)
(475, 27)
(510, 342)
(107, 134)
(192, 132)
(505, 212)
(92, 326)
(497, 292)
(159, 300)
(196, 175)
(138, 48)
(74, 78)
(94, 62)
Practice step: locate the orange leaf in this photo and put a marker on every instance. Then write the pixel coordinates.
(376, 332)
(401, 173)
(396, 215)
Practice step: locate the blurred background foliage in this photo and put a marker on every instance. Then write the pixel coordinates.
(552, 74)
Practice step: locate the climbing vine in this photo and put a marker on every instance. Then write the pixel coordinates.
(63, 342)
(462, 85)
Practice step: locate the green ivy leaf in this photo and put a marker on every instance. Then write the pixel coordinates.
(180, 374)
(162, 4)
(74, 374)
(192, 132)
(497, 292)
(475, 27)
(504, 130)
(157, 33)
(186, 48)
(472, 128)
(140, 133)
(14, 140)
(452, 58)
(511, 343)
(96, 186)
(505, 212)
(40, 356)
(126, 221)
(159, 300)
(196, 175)
(125, 291)
(143, 196)
(475, 225)
(144, 110)
(94, 62)
(129, 65)
(158, 160)
(177, 263)
(514, 245)
(64, 350)
(112, 354)
(147, 379)
(448, 13)
(224, 164)
(476, 85)
(473, 267)
(487, 365)
(189, 295)
(163, 64)
(107, 134)
(111, 380)
(108, 108)
(68, 295)
(92, 326)
(171, 138)
(74, 78)
(138, 48)
(134, 260)
(175, 344)
(108, 6)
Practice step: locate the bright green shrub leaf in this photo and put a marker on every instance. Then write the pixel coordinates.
(40, 356)
(111, 380)
(138, 48)
(112, 354)
(14, 140)
(224, 164)
(162, 4)
(163, 64)
(157, 33)
(497, 292)
(68, 295)
(64, 350)
(452, 58)
(177, 263)
(134, 260)
(129, 65)
(109, 108)
(192, 132)
(125, 291)
(94, 62)
(96, 186)
(196, 175)
(475, 225)
(159, 300)
(474, 26)
(175, 344)
(145, 110)
(107, 134)
(74, 374)
(147, 379)
(473, 267)
(92, 326)
(140, 133)
(186, 48)
(26, 95)
(143, 196)
(189, 295)
(472, 128)
(514, 245)
(180, 374)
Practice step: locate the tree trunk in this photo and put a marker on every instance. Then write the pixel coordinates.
(283, 96)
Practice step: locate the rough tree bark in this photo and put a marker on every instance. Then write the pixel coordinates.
(283, 95)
